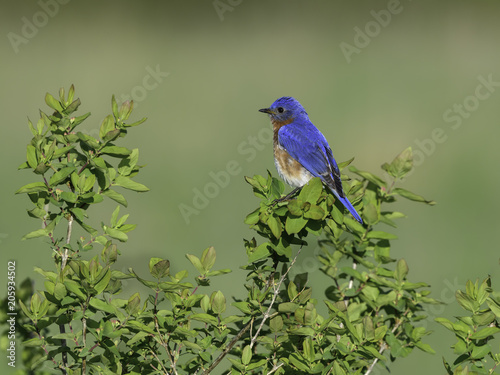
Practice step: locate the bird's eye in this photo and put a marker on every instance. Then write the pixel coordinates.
(281, 109)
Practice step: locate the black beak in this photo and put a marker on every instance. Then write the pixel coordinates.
(266, 110)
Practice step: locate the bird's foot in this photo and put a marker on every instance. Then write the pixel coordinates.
(286, 197)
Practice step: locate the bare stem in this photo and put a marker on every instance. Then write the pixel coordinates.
(346, 299)
(275, 368)
(84, 333)
(159, 361)
(165, 346)
(276, 291)
(64, 259)
(383, 347)
(228, 348)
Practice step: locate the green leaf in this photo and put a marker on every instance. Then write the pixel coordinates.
(89, 183)
(195, 261)
(62, 151)
(253, 217)
(128, 164)
(116, 234)
(103, 282)
(53, 103)
(246, 356)
(32, 128)
(69, 197)
(412, 196)
(401, 164)
(126, 109)
(354, 226)
(114, 216)
(31, 156)
(25, 310)
(115, 151)
(311, 191)
(494, 307)
(260, 252)
(294, 225)
(36, 233)
(276, 324)
(344, 164)
(314, 212)
(308, 348)
(159, 268)
(484, 333)
(369, 176)
(33, 187)
(72, 107)
(466, 302)
(108, 124)
(35, 303)
(24, 165)
(60, 291)
(75, 288)
(133, 304)
(37, 213)
(299, 362)
(243, 306)
(446, 323)
(381, 235)
(60, 176)
(205, 318)
(111, 135)
(288, 307)
(117, 197)
(127, 183)
(102, 305)
(208, 258)
(294, 206)
(34, 342)
(114, 106)
(479, 352)
(275, 226)
(401, 270)
(337, 215)
(218, 302)
(135, 123)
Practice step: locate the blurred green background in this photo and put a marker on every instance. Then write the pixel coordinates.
(217, 63)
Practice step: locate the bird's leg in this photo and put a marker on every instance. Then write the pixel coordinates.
(286, 197)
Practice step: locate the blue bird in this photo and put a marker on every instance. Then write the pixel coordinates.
(301, 152)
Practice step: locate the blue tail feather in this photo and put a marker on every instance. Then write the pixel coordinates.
(350, 208)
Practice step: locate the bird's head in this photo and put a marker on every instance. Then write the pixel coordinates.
(284, 110)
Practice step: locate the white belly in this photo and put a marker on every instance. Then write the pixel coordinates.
(292, 172)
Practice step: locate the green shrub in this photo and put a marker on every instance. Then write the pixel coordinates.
(77, 323)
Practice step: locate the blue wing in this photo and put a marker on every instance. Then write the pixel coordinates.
(305, 143)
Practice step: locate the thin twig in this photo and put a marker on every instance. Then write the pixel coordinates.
(64, 259)
(351, 283)
(383, 348)
(275, 295)
(228, 347)
(64, 256)
(159, 361)
(346, 299)
(84, 333)
(164, 344)
(275, 368)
